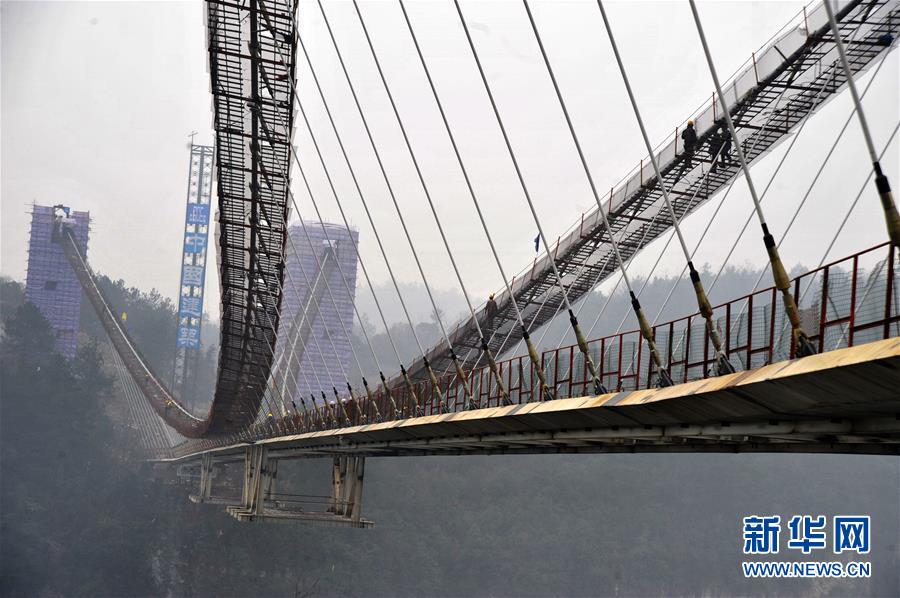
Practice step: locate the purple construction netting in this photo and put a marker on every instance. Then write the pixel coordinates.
(50, 284)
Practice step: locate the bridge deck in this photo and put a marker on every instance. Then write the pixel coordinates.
(844, 401)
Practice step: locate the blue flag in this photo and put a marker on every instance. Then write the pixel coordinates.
(537, 243)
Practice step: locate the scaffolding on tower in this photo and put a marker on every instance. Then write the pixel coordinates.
(192, 273)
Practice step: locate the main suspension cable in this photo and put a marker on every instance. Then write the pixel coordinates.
(598, 387)
(715, 214)
(309, 284)
(274, 385)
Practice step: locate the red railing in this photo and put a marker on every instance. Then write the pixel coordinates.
(847, 302)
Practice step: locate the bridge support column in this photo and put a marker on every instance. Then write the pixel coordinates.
(346, 487)
(259, 483)
(207, 473)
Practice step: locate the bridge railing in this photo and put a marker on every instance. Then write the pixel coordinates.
(846, 302)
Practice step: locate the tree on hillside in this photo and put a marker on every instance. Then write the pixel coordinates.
(60, 474)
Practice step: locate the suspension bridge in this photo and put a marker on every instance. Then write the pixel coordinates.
(809, 364)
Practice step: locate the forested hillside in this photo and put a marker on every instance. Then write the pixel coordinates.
(81, 517)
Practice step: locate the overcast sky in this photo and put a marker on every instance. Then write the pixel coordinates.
(98, 100)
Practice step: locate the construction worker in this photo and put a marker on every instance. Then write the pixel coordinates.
(689, 137)
(715, 148)
(168, 404)
(490, 310)
(124, 317)
(725, 139)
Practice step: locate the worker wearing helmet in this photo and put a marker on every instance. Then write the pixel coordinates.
(490, 310)
(689, 137)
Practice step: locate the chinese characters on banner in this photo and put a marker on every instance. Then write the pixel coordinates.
(193, 269)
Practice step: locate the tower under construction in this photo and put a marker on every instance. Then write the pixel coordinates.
(192, 272)
(50, 283)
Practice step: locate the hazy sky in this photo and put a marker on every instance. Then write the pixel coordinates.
(98, 100)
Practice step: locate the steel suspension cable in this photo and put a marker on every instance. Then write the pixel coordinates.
(846, 217)
(321, 265)
(779, 274)
(821, 166)
(471, 190)
(809, 189)
(304, 317)
(295, 37)
(769, 184)
(840, 229)
(407, 380)
(606, 303)
(280, 396)
(891, 216)
(486, 351)
(255, 108)
(645, 328)
(723, 366)
(628, 263)
(858, 195)
(309, 285)
(652, 270)
(709, 225)
(672, 236)
(425, 361)
(284, 224)
(274, 385)
(573, 318)
(712, 219)
(339, 269)
(328, 177)
(762, 197)
(598, 386)
(594, 283)
(437, 220)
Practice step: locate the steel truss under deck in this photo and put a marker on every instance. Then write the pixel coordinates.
(252, 50)
(767, 100)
